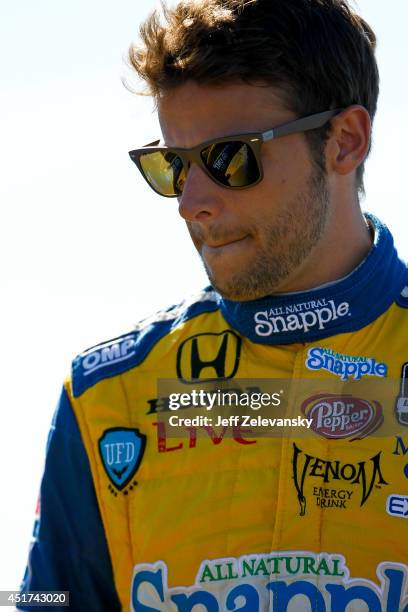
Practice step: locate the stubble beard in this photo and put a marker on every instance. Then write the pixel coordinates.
(288, 242)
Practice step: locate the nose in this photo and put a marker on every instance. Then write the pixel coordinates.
(201, 198)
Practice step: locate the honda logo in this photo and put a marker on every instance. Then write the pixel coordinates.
(209, 356)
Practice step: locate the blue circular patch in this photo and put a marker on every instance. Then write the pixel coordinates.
(406, 471)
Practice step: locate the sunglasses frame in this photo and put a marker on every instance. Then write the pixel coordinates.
(253, 139)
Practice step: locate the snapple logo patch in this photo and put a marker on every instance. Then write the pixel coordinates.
(342, 416)
(280, 582)
(316, 314)
(344, 366)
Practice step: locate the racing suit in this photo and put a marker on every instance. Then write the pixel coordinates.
(135, 516)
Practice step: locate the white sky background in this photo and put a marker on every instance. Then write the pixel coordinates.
(86, 248)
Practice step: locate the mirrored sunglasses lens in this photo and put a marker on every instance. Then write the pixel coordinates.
(232, 163)
(164, 172)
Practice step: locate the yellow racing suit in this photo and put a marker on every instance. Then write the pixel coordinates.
(208, 517)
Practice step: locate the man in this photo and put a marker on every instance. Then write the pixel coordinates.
(266, 110)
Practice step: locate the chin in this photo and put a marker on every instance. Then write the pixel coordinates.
(243, 283)
(246, 287)
(230, 291)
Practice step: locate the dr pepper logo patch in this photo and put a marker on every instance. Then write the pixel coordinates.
(342, 416)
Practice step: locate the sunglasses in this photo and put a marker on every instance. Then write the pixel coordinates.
(233, 161)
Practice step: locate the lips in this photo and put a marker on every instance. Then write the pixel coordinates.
(230, 248)
(218, 245)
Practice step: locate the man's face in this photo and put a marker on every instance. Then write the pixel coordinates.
(256, 241)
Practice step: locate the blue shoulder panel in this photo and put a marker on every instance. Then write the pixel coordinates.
(69, 551)
(120, 354)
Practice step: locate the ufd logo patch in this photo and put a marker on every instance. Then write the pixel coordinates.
(121, 450)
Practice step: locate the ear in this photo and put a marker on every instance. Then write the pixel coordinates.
(349, 140)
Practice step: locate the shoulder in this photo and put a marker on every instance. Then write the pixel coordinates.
(117, 355)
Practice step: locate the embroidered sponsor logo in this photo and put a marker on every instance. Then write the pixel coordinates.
(342, 416)
(121, 450)
(344, 366)
(331, 498)
(401, 405)
(208, 356)
(281, 582)
(397, 505)
(401, 448)
(304, 316)
(192, 439)
(366, 474)
(165, 442)
(107, 354)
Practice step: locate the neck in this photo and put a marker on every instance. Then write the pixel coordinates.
(346, 242)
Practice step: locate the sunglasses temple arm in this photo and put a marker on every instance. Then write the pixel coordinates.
(300, 125)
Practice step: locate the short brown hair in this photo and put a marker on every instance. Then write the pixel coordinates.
(318, 52)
